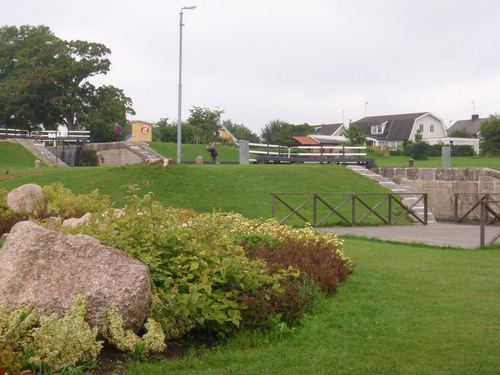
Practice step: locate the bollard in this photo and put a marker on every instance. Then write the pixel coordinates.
(411, 162)
(37, 163)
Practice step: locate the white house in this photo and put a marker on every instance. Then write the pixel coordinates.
(393, 130)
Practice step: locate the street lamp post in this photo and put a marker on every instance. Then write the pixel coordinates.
(179, 100)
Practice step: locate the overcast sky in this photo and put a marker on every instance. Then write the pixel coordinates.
(308, 61)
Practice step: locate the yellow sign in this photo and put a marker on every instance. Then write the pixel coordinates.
(142, 131)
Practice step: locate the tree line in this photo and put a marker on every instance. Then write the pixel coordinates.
(45, 83)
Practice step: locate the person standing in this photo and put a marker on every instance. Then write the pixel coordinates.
(213, 152)
(118, 132)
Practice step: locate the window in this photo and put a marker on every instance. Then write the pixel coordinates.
(431, 128)
(378, 129)
(421, 127)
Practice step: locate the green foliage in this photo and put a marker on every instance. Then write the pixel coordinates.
(418, 150)
(165, 132)
(32, 338)
(198, 272)
(45, 80)
(378, 152)
(281, 132)
(61, 343)
(62, 202)
(206, 122)
(490, 131)
(354, 134)
(15, 326)
(10, 361)
(128, 341)
(461, 133)
(241, 132)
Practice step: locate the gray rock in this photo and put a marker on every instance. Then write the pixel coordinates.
(26, 198)
(75, 222)
(51, 268)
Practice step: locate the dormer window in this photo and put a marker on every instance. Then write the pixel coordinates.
(378, 128)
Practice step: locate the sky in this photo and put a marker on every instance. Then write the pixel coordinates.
(299, 61)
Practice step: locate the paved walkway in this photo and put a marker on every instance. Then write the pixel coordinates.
(438, 234)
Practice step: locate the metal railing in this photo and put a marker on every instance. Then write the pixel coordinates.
(311, 151)
(392, 216)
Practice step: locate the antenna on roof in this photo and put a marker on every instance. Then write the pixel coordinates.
(473, 106)
(366, 105)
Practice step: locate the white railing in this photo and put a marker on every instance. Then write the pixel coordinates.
(316, 151)
(52, 135)
(7, 132)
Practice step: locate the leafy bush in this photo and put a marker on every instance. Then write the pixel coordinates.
(31, 338)
(199, 274)
(378, 152)
(61, 343)
(317, 256)
(61, 202)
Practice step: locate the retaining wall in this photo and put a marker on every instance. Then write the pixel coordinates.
(113, 154)
(441, 184)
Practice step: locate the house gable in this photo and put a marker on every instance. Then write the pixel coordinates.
(329, 129)
(393, 130)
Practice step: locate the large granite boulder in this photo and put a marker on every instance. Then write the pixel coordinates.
(26, 198)
(51, 268)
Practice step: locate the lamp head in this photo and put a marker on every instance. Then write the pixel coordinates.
(190, 7)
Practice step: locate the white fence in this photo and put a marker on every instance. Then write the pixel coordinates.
(48, 135)
(309, 151)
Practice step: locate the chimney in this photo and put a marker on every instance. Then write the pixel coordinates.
(475, 117)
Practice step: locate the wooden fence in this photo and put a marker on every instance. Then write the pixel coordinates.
(396, 209)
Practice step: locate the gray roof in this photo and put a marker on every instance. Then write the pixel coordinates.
(473, 125)
(398, 127)
(326, 129)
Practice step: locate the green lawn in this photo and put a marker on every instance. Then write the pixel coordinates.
(405, 310)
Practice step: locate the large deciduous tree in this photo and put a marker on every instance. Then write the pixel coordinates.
(45, 80)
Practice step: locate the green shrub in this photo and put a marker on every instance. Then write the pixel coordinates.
(127, 340)
(62, 202)
(30, 338)
(317, 256)
(61, 343)
(199, 274)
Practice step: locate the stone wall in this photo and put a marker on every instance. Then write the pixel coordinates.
(441, 185)
(113, 154)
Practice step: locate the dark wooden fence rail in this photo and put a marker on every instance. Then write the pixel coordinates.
(353, 200)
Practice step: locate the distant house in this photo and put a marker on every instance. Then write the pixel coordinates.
(329, 129)
(472, 126)
(393, 130)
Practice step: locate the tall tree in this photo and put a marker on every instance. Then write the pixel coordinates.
(105, 106)
(18, 109)
(490, 131)
(51, 77)
(354, 134)
(241, 132)
(207, 122)
(281, 132)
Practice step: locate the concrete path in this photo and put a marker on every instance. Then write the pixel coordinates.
(438, 234)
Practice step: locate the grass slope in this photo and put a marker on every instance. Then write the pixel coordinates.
(240, 188)
(15, 156)
(405, 310)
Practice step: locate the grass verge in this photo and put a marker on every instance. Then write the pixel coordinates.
(406, 310)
